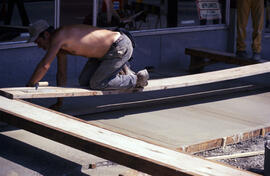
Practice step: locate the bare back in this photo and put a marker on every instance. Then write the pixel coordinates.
(84, 40)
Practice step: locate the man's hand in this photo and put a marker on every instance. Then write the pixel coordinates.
(30, 85)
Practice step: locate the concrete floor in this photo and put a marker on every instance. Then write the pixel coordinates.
(184, 124)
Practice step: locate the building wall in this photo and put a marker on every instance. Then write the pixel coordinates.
(18, 64)
(169, 50)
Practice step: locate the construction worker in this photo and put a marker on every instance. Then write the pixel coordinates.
(244, 7)
(108, 52)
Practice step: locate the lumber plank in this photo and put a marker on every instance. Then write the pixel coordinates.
(131, 152)
(51, 92)
(158, 84)
(209, 77)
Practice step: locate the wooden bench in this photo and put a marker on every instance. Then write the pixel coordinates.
(198, 58)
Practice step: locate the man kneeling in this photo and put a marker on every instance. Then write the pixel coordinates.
(108, 52)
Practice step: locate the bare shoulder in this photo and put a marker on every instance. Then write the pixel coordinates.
(59, 36)
(60, 33)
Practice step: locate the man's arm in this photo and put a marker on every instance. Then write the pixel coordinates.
(61, 77)
(44, 64)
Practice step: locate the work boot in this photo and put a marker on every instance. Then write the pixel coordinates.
(242, 54)
(142, 77)
(256, 56)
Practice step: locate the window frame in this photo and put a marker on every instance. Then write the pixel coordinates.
(24, 44)
(184, 29)
(161, 31)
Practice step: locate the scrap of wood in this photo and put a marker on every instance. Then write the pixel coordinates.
(101, 164)
(131, 152)
(158, 84)
(237, 155)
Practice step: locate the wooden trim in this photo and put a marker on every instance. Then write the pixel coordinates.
(264, 131)
(216, 143)
(133, 153)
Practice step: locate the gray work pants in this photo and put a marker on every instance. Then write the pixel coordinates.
(102, 73)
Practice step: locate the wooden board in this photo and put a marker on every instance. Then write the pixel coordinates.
(133, 153)
(158, 84)
(50, 92)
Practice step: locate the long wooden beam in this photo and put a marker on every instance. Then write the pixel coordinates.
(209, 77)
(131, 152)
(158, 84)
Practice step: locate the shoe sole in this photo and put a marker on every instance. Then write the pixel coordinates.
(145, 75)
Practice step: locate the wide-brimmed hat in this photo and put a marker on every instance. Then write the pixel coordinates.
(36, 28)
